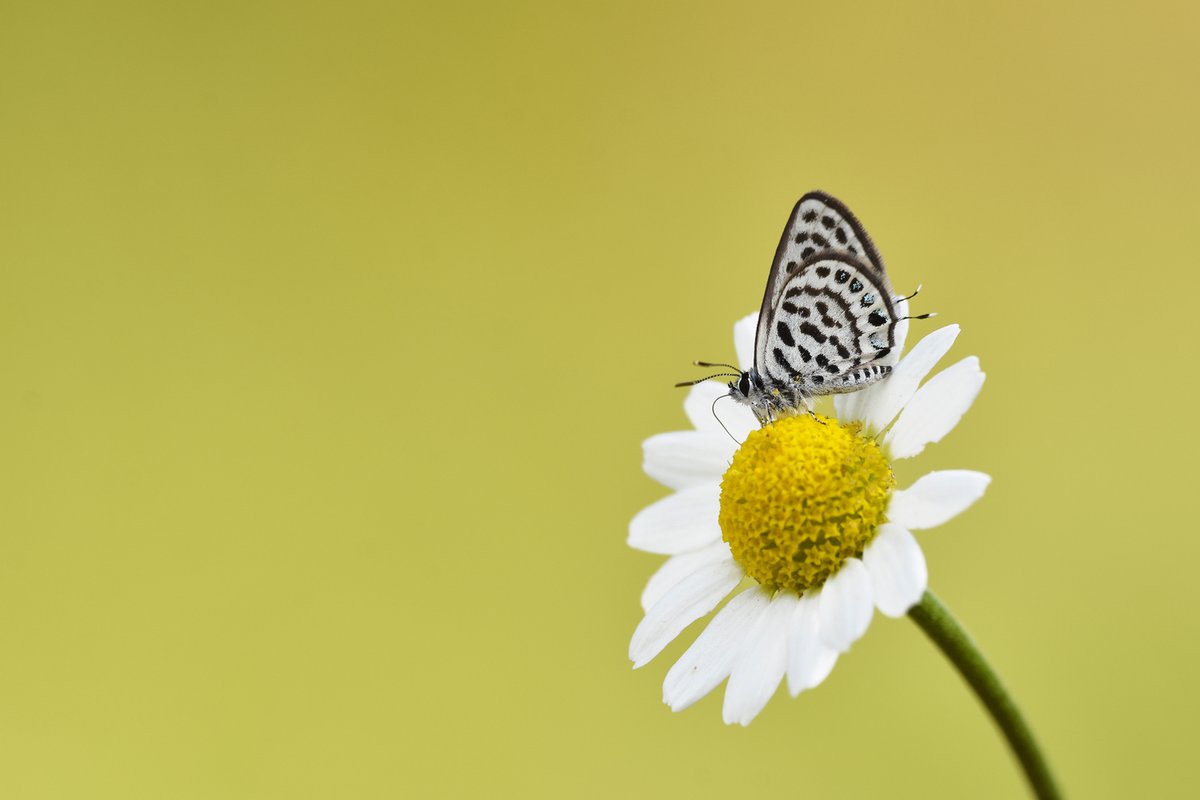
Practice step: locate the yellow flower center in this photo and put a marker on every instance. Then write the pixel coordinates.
(802, 496)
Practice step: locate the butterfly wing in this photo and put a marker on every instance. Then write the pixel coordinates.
(819, 225)
(831, 329)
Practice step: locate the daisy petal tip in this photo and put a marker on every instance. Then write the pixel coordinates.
(950, 331)
(937, 497)
(935, 409)
(638, 658)
(740, 717)
(681, 701)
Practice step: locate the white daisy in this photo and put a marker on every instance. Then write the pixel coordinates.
(805, 512)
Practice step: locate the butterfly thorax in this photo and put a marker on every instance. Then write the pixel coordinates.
(766, 397)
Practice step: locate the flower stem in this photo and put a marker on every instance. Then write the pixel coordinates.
(956, 643)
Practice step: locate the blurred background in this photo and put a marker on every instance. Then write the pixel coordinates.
(329, 335)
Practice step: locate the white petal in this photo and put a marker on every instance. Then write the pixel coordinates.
(758, 671)
(936, 498)
(890, 395)
(691, 599)
(699, 401)
(700, 408)
(744, 331)
(844, 605)
(677, 568)
(848, 407)
(936, 408)
(681, 522)
(685, 458)
(710, 658)
(810, 660)
(897, 568)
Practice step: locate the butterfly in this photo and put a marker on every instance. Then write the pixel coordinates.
(828, 322)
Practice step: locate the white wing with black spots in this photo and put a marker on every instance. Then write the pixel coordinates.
(832, 328)
(829, 321)
(819, 224)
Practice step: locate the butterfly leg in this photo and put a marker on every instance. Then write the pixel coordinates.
(809, 409)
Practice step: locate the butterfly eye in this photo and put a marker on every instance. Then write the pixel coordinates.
(744, 384)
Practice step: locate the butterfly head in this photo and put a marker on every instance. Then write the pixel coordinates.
(749, 389)
(743, 386)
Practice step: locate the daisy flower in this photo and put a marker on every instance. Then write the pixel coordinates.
(806, 513)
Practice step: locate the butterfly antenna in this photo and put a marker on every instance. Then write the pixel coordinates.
(713, 410)
(917, 291)
(710, 377)
(711, 364)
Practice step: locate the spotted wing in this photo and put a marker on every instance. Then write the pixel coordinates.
(831, 329)
(818, 224)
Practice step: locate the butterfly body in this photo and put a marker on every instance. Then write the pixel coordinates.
(829, 321)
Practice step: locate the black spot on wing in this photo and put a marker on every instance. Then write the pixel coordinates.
(828, 221)
(818, 379)
(820, 240)
(875, 318)
(825, 302)
(785, 333)
(842, 276)
(856, 285)
(808, 251)
(809, 216)
(801, 238)
(840, 235)
(782, 361)
(823, 272)
(813, 332)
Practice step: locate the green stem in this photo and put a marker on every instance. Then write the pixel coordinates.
(956, 643)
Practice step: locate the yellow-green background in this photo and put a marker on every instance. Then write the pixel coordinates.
(329, 334)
